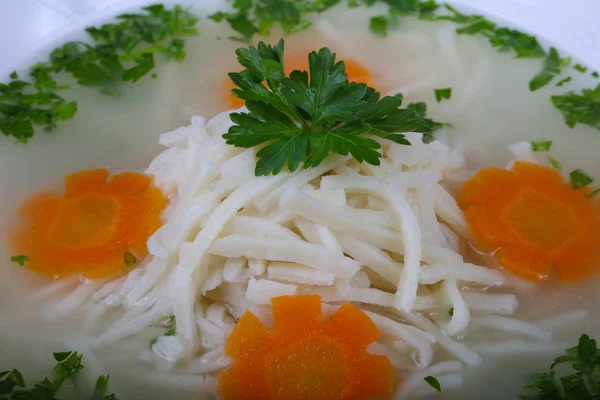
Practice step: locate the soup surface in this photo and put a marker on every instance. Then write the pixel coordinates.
(491, 107)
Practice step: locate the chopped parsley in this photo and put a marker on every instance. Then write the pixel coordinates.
(434, 383)
(101, 388)
(579, 179)
(303, 118)
(379, 25)
(123, 51)
(550, 69)
(583, 381)
(595, 74)
(20, 259)
(441, 94)
(171, 332)
(581, 108)
(129, 258)
(250, 17)
(542, 145)
(564, 81)
(555, 163)
(451, 312)
(594, 193)
(580, 68)
(12, 384)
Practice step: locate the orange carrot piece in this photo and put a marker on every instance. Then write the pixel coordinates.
(303, 358)
(91, 227)
(534, 220)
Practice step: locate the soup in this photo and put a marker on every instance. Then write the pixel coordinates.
(343, 230)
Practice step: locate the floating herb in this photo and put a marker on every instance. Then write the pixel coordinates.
(121, 51)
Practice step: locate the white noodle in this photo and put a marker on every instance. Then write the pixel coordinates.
(563, 320)
(460, 315)
(514, 326)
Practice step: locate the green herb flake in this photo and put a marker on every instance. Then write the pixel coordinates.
(129, 258)
(171, 332)
(101, 388)
(13, 75)
(125, 50)
(250, 17)
(564, 81)
(434, 383)
(12, 384)
(542, 145)
(441, 94)
(580, 108)
(579, 179)
(580, 68)
(20, 259)
(555, 163)
(524, 45)
(451, 312)
(595, 74)
(379, 25)
(304, 118)
(583, 381)
(549, 70)
(593, 193)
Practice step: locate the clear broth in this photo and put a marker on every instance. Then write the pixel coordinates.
(121, 132)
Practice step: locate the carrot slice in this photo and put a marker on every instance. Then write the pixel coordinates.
(303, 358)
(488, 230)
(92, 226)
(534, 220)
(524, 261)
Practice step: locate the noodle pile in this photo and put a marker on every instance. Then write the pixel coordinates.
(388, 239)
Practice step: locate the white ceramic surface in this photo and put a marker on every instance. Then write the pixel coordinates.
(27, 24)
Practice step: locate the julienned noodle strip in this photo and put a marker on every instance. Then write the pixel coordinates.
(232, 242)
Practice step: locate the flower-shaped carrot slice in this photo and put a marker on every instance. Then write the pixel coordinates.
(355, 71)
(535, 221)
(92, 227)
(304, 358)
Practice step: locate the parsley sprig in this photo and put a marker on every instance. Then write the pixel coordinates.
(123, 51)
(580, 108)
(306, 116)
(582, 384)
(12, 383)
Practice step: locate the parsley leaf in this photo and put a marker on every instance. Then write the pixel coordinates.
(433, 383)
(579, 179)
(581, 108)
(250, 17)
(101, 388)
(451, 312)
(580, 68)
(441, 94)
(171, 332)
(564, 81)
(555, 163)
(593, 193)
(379, 25)
(582, 384)
(542, 145)
(20, 259)
(595, 74)
(123, 51)
(303, 117)
(549, 70)
(12, 384)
